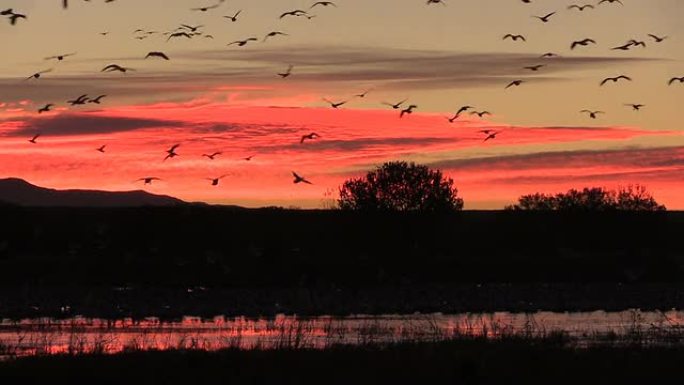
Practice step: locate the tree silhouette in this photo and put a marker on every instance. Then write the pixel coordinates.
(400, 186)
(630, 198)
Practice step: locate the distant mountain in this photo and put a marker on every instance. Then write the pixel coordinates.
(19, 192)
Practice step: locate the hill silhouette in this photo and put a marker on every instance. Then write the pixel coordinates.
(14, 191)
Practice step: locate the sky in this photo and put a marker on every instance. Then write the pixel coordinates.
(211, 97)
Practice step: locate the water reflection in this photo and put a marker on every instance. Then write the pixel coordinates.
(82, 336)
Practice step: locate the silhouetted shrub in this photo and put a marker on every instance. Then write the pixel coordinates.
(630, 198)
(400, 186)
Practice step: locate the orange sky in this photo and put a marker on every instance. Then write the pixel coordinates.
(210, 97)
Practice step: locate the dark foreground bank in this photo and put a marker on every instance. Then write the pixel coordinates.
(203, 260)
(463, 362)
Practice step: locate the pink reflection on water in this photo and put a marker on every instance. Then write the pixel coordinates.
(47, 336)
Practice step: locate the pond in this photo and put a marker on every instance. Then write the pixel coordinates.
(45, 336)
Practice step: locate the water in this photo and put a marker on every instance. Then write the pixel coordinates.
(78, 335)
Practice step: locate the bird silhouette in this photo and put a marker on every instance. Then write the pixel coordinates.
(635, 107)
(548, 55)
(157, 54)
(205, 9)
(171, 153)
(273, 34)
(534, 67)
(514, 37)
(296, 12)
(515, 83)
(323, 3)
(101, 148)
(287, 73)
(310, 136)
(581, 7)
(656, 38)
(408, 110)
(335, 105)
(212, 156)
(147, 180)
(249, 158)
(299, 179)
(116, 67)
(60, 57)
(97, 100)
(215, 181)
(615, 79)
(12, 16)
(81, 100)
(179, 34)
(583, 42)
(34, 139)
(481, 113)
(592, 114)
(610, 2)
(491, 135)
(46, 108)
(675, 79)
(362, 95)
(395, 106)
(234, 18)
(545, 19)
(37, 75)
(242, 43)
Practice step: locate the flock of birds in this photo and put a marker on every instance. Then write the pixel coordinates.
(186, 31)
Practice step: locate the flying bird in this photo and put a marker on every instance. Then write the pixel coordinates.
(323, 3)
(534, 67)
(362, 95)
(60, 57)
(408, 110)
(299, 179)
(675, 79)
(34, 139)
(545, 19)
(395, 106)
(481, 113)
(234, 18)
(335, 104)
(581, 7)
(97, 100)
(287, 73)
(635, 107)
(610, 2)
(310, 136)
(179, 34)
(273, 34)
(514, 37)
(296, 12)
(171, 153)
(657, 39)
(491, 136)
(249, 158)
(616, 79)
(548, 55)
(81, 100)
(583, 42)
(37, 75)
(46, 108)
(101, 148)
(215, 181)
(515, 83)
(116, 67)
(592, 114)
(147, 180)
(242, 43)
(204, 9)
(212, 156)
(157, 54)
